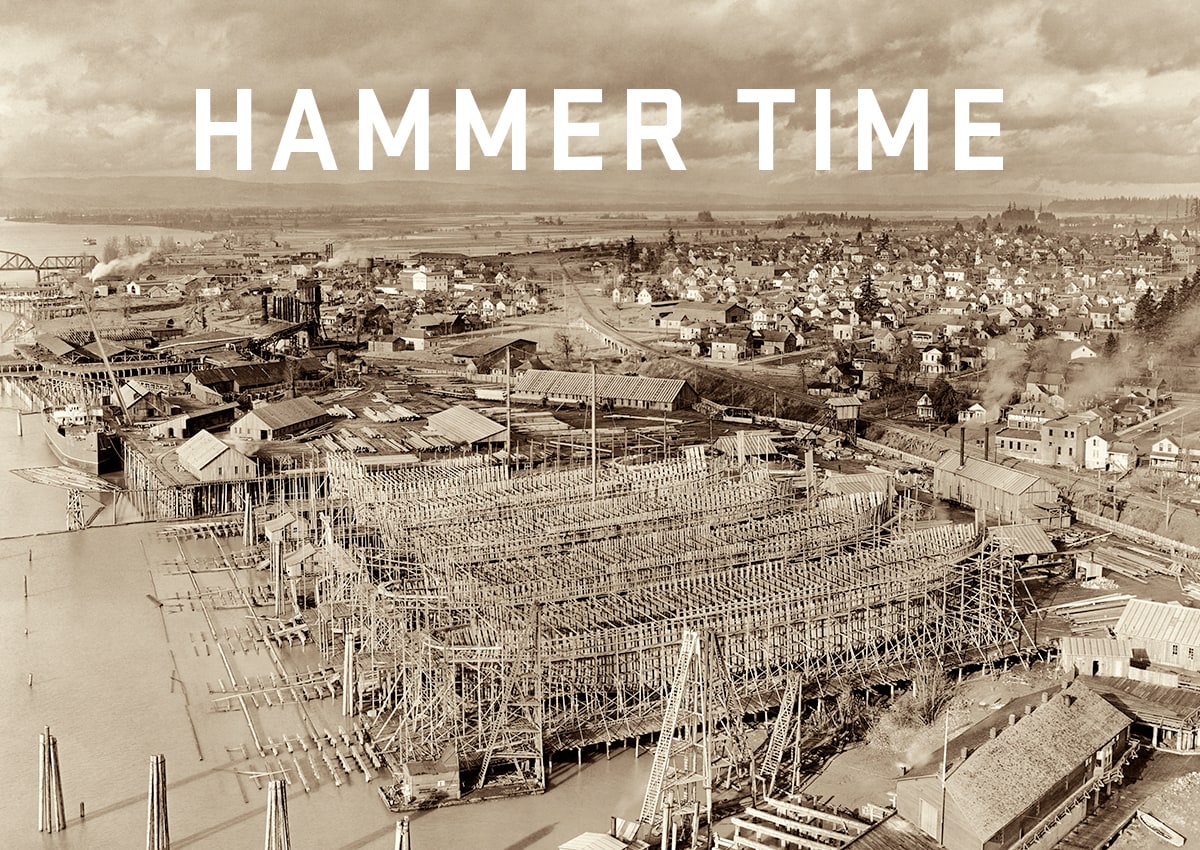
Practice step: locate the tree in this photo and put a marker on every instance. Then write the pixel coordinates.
(1145, 313)
(705, 216)
(868, 301)
(112, 249)
(671, 240)
(565, 345)
(1112, 346)
(947, 401)
(908, 363)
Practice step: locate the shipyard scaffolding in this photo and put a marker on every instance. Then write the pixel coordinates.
(487, 620)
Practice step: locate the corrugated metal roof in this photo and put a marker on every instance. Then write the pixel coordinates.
(463, 425)
(864, 482)
(1169, 622)
(200, 451)
(547, 382)
(1090, 647)
(1023, 539)
(995, 475)
(290, 411)
(755, 444)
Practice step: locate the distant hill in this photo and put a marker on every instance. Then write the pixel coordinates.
(51, 193)
(577, 191)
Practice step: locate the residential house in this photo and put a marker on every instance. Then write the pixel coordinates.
(776, 342)
(925, 408)
(1175, 454)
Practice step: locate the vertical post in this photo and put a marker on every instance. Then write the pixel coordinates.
(43, 757)
(595, 456)
(348, 676)
(52, 813)
(278, 833)
(507, 407)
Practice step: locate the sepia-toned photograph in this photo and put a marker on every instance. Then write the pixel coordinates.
(735, 425)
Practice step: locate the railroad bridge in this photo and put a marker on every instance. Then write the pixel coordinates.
(12, 261)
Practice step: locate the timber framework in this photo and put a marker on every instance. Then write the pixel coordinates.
(487, 619)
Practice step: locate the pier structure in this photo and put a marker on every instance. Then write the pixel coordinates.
(500, 618)
(160, 491)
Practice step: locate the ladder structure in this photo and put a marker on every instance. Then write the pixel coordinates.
(779, 735)
(689, 652)
(704, 709)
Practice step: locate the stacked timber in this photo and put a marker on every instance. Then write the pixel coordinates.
(1133, 561)
(1095, 616)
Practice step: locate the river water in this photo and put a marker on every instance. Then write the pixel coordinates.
(102, 657)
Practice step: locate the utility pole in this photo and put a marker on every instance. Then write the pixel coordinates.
(507, 408)
(595, 456)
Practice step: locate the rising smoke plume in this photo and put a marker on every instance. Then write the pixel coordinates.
(127, 264)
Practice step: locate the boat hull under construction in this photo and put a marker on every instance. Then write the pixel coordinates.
(88, 447)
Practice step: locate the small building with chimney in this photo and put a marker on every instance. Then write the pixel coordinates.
(1023, 777)
(1004, 494)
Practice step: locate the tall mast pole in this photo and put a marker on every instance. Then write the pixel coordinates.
(507, 407)
(595, 456)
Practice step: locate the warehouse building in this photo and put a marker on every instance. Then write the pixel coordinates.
(1038, 772)
(611, 390)
(1004, 494)
(206, 458)
(1165, 632)
(280, 420)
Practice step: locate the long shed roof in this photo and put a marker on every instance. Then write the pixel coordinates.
(1001, 477)
(548, 382)
(282, 414)
(463, 425)
(1011, 772)
(1169, 622)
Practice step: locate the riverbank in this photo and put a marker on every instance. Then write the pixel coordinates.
(119, 678)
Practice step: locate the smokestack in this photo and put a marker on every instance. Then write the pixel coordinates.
(987, 442)
(962, 447)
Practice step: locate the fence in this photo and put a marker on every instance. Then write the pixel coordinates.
(1175, 547)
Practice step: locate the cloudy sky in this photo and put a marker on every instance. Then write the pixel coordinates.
(1100, 98)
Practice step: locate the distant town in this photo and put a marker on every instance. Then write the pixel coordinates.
(870, 531)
